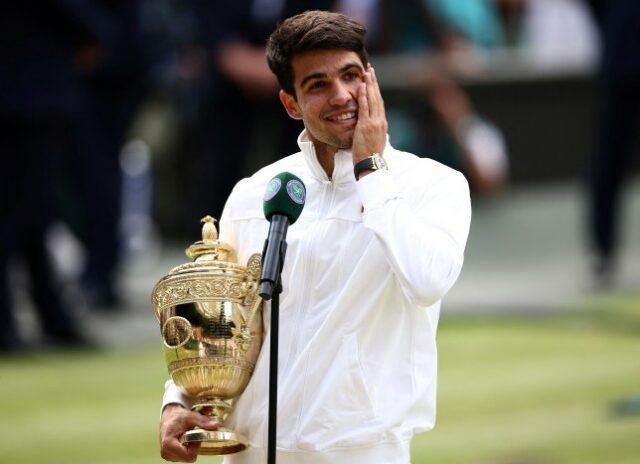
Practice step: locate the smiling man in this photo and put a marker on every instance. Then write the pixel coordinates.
(379, 243)
(340, 104)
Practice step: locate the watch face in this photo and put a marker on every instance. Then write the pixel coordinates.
(379, 162)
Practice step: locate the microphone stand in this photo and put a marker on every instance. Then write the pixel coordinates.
(273, 373)
(267, 292)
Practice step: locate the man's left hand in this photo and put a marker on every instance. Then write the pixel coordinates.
(370, 134)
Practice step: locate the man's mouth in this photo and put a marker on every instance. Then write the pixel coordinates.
(343, 116)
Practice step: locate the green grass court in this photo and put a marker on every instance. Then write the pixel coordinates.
(516, 389)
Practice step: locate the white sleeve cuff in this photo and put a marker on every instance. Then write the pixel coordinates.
(173, 395)
(376, 189)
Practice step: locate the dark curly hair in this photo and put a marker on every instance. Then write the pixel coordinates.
(312, 30)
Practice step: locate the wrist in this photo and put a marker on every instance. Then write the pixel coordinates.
(364, 173)
(366, 166)
(171, 406)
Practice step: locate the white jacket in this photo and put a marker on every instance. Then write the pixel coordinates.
(366, 267)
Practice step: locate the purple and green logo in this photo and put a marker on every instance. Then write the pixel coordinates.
(296, 191)
(272, 188)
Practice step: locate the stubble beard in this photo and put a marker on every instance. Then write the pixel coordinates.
(338, 142)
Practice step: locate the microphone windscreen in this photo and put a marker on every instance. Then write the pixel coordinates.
(285, 195)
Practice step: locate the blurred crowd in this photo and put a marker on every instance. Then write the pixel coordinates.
(81, 79)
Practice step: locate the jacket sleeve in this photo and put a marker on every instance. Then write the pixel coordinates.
(173, 395)
(422, 227)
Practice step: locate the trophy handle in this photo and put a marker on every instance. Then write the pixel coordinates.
(252, 300)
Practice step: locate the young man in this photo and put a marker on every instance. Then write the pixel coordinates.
(378, 244)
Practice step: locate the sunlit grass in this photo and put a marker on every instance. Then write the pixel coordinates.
(512, 390)
(527, 390)
(93, 407)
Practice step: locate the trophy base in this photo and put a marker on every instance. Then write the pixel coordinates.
(216, 442)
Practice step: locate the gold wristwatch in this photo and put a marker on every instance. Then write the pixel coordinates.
(373, 162)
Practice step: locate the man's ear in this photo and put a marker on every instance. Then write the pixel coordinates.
(290, 104)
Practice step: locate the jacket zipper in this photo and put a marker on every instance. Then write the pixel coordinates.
(328, 195)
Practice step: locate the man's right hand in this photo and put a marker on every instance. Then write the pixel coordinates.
(174, 422)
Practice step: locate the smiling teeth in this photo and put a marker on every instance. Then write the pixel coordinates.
(344, 116)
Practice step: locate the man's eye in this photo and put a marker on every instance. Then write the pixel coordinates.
(351, 76)
(316, 85)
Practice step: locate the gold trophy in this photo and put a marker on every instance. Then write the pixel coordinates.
(211, 324)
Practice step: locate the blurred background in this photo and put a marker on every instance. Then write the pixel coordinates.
(123, 122)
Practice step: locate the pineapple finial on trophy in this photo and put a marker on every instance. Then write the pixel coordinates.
(210, 248)
(209, 231)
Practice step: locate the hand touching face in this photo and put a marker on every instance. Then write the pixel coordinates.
(370, 135)
(339, 101)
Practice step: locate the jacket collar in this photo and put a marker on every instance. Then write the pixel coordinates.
(343, 166)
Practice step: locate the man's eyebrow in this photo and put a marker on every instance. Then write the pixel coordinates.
(323, 75)
(311, 77)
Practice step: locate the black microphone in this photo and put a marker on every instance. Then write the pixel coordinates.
(283, 203)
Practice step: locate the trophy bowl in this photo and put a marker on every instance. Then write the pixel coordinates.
(210, 318)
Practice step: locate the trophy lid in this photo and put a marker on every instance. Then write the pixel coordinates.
(212, 275)
(209, 248)
(209, 253)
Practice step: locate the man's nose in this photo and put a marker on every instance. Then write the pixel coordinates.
(341, 94)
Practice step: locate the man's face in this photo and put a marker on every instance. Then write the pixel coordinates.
(326, 84)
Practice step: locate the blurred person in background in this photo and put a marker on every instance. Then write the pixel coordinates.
(230, 97)
(114, 76)
(41, 98)
(552, 33)
(617, 130)
(442, 120)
